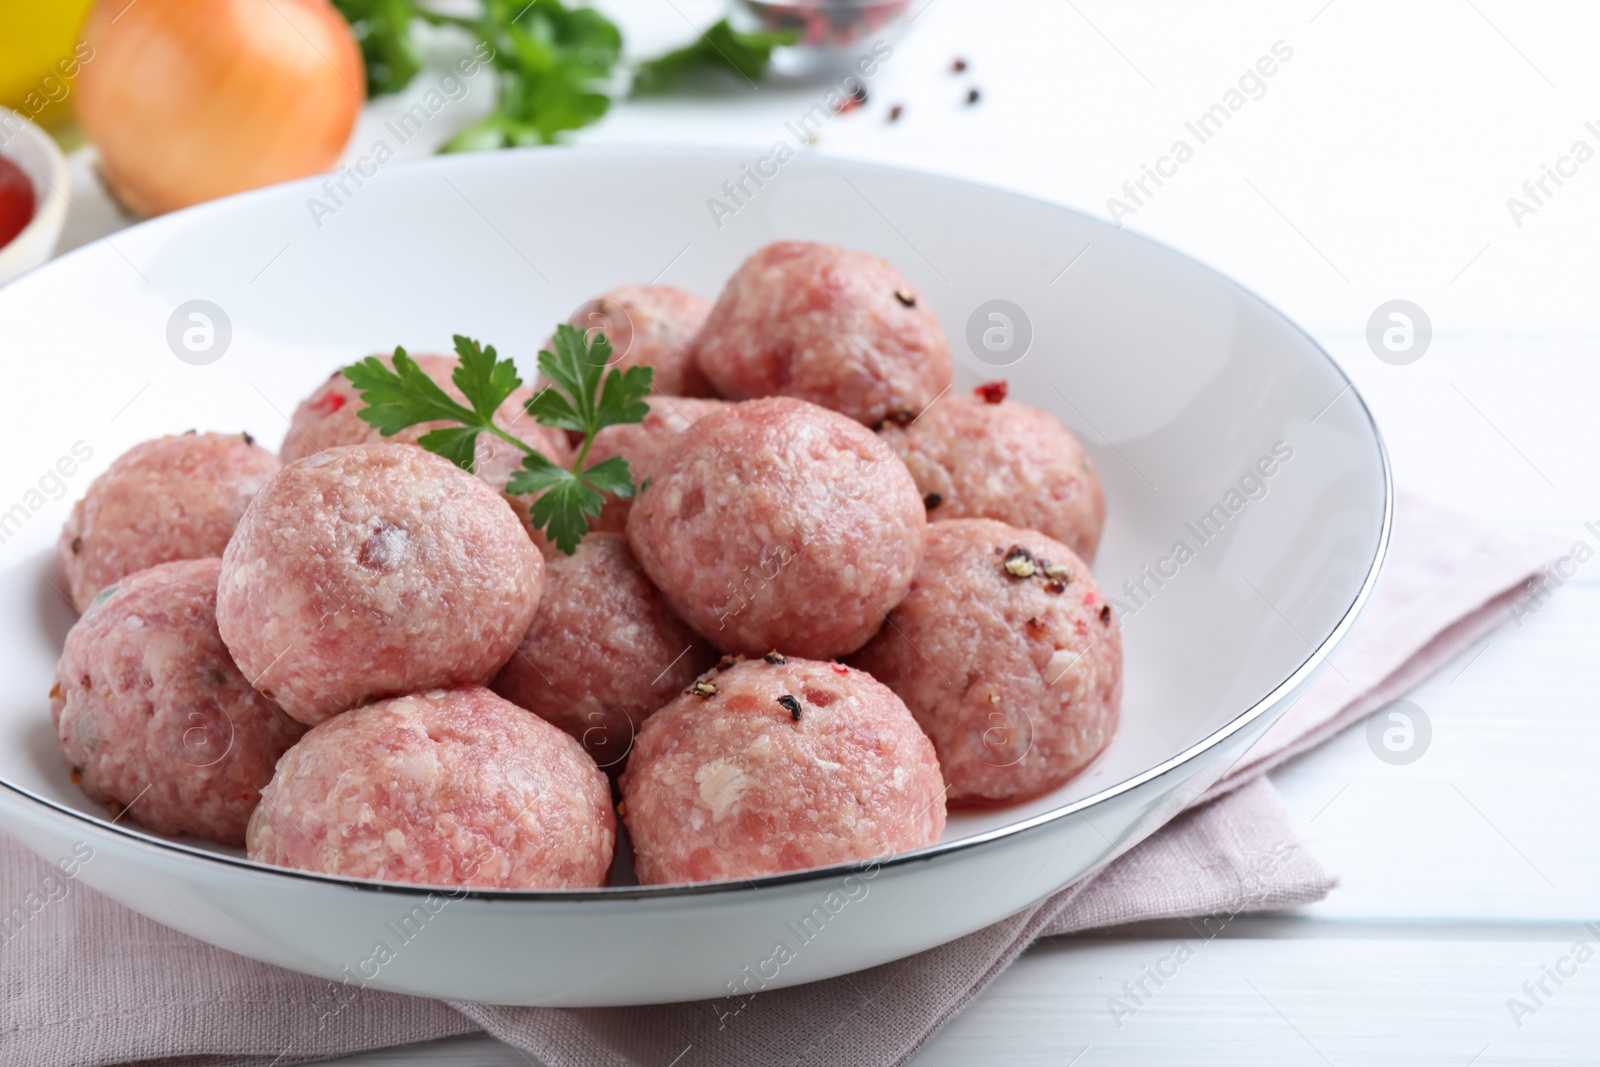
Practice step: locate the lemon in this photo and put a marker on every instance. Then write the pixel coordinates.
(36, 55)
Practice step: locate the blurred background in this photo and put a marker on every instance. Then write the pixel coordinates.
(36, 38)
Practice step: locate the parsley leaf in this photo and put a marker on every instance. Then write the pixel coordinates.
(538, 473)
(458, 444)
(563, 509)
(623, 398)
(720, 49)
(552, 61)
(483, 378)
(567, 499)
(611, 476)
(383, 30)
(403, 396)
(575, 373)
(554, 66)
(583, 397)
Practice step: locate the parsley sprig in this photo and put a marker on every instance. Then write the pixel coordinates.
(721, 49)
(550, 62)
(583, 396)
(555, 63)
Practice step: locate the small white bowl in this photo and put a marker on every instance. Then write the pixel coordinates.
(30, 148)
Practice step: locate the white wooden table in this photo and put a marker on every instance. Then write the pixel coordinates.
(1376, 165)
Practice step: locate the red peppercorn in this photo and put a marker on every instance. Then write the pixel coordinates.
(992, 392)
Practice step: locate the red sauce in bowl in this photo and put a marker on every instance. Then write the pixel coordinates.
(16, 201)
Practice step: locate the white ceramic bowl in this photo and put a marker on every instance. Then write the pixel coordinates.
(33, 150)
(1183, 386)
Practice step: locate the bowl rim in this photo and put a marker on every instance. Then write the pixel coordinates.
(1309, 666)
(50, 202)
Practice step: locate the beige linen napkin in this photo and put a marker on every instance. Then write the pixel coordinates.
(85, 982)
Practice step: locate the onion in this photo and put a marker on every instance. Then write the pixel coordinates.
(188, 100)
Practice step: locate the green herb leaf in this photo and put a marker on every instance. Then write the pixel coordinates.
(403, 396)
(564, 502)
(483, 378)
(622, 399)
(574, 368)
(561, 512)
(458, 444)
(537, 474)
(720, 50)
(550, 408)
(552, 61)
(577, 400)
(383, 30)
(553, 65)
(582, 396)
(611, 476)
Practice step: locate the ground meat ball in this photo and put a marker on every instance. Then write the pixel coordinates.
(640, 443)
(838, 328)
(168, 499)
(372, 571)
(652, 326)
(778, 524)
(604, 650)
(778, 767)
(329, 417)
(453, 787)
(152, 715)
(1010, 663)
(1006, 461)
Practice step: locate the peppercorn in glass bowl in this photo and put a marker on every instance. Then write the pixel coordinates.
(828, 33)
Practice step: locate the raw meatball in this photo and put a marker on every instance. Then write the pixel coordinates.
(330, 416)
(604, 650)
(453, 787)
(778, 524)
(977, 459)
(836, 327)
(1007, 653)
(652, 326)
(777, 765)
(168, 499)
(371, 571)
(641, 443)
(152, 715)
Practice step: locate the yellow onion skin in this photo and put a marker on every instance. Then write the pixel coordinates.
(189, 100)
